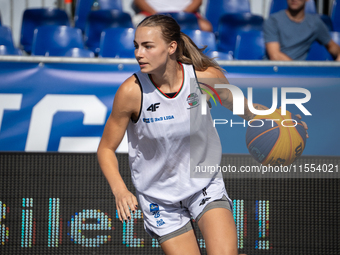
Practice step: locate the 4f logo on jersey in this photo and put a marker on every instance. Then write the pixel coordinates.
(153, 107)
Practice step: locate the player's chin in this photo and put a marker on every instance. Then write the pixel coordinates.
(145, 68)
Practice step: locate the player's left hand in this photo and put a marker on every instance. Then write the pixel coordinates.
(304, 124)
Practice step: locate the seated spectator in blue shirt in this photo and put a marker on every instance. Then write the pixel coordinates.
(289, 33)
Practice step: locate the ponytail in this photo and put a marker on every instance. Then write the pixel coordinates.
(187, 51)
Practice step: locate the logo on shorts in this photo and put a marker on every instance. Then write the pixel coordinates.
(154, 209)
(160, 222)
(204, 200)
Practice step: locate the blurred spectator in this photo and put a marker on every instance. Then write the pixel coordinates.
(150, 7)
(289, 33)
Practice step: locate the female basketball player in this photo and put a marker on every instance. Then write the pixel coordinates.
(169, 137)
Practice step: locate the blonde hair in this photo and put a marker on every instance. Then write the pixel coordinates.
(187, 51)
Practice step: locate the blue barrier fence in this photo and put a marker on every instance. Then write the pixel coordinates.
(53, 105)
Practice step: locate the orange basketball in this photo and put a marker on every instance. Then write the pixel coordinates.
(276, 139)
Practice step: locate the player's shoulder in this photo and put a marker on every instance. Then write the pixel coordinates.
(129, 91)
(210, 72)
(130, 87)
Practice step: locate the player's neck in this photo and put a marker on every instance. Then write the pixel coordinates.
(296, 15)
(170, 80)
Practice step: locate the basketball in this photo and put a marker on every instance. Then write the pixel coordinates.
(276, 139)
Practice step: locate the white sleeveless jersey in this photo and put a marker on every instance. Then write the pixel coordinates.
(172, 141)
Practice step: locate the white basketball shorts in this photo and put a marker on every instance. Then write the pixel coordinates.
(160, 220)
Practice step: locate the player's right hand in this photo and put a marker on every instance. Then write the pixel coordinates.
(125, 201)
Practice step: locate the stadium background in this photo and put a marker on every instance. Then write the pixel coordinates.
(51, 191)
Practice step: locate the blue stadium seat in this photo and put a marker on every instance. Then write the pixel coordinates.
(100, 20)
(319, 52)
(216, 8)
(335, 16)
(79, 53)
(232, 24)
(6, 36)
(217, 55)
(56, 40)
(202, 38)
(33, 18)
(250, 45)
(9, 50)
(83, 8)
(278, 5)
(110, 5)
(186, 20)
(336, 37)
(117, 43)
(310, 7)
(327, 20)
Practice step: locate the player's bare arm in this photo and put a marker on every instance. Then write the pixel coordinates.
(211, 77)
(126, 105)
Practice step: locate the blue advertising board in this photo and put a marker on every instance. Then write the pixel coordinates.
(63, 107)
